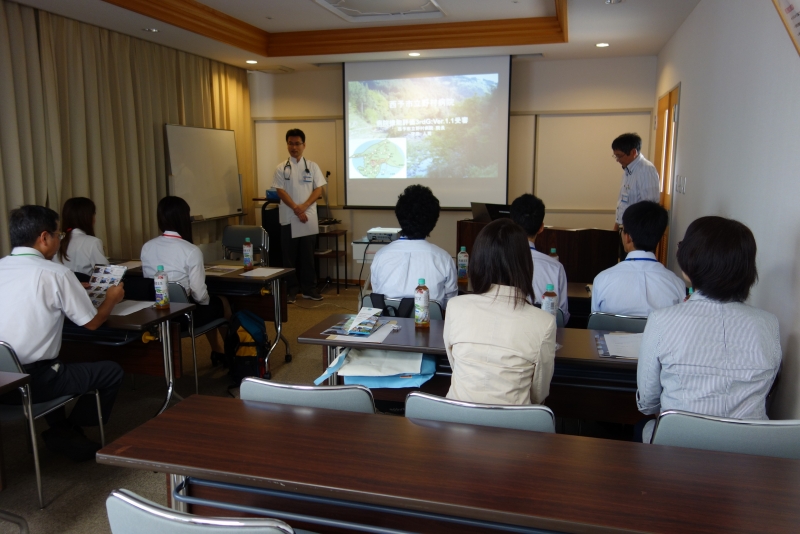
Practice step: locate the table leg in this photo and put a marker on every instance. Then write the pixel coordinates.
(174, 482)
(332, 353)
(336, 238)
(166, 347)
(276, 299)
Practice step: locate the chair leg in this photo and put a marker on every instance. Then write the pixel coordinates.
(26, 402)
(194, 354)
(100, 418)
(17, 520)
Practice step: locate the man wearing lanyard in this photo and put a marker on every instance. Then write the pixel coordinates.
(299, 184)
(640, 284)
(35, 296)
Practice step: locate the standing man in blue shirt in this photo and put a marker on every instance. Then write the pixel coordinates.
(639, 176)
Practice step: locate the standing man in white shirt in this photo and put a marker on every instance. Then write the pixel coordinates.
(640, 284)
(639, 176)
(397, 267)
(35, 296)
(299, 185)
(528, 212)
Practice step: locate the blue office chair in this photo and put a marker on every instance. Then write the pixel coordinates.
(128, 513)
(350, 398)
(528, 417)
(616, 323)
(745, 436)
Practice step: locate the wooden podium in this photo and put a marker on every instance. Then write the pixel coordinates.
(583, 253)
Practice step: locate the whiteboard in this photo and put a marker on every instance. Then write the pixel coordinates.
(204, 171)
(574, 167)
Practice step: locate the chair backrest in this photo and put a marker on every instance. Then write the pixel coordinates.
(140, 288)
(745, 436)
(435, 309)
(616, 323)
(352, 398)
(128, 513)
(9, 363)
(529, 417)
(559, 318)
(177, 293)
(233, 239)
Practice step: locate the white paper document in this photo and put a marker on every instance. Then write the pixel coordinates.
(127, 307)
(261, 272)
(378, 336)
(131, 264)
(364, 314)
(302, 229)
(219, 270)
(623, 345)
(376, 362)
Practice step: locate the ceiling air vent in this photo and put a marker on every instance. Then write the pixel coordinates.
(383, 10)
(276, 69)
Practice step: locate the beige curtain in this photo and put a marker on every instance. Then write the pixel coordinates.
(30, 164)
(82, 114)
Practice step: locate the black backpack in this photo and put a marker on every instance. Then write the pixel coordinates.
(246, 347)
(405, 308)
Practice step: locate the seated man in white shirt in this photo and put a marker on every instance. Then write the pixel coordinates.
(35, 296)
(528, 212)
(640, 284)
(397, 267)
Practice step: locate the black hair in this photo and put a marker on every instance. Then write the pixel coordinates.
(296, 132)
(719, 257)
(645, 222)
(417, 211)
(528, 212)
(173, 216)
(627, 142)
(27, 223)
(501, 255)
(78, 212)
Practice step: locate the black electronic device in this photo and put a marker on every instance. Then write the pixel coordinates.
(482, 212)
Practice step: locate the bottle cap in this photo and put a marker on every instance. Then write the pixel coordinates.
(246, 239)
(160, 268)
(691, 290)
(552, 251)
(463, 249)
(550, 287)
(422, 281)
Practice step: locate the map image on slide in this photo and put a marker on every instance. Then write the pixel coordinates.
(378, 158)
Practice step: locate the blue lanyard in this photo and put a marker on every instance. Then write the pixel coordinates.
(532, 247)
(640, 259)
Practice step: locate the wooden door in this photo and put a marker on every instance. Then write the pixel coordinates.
(666, 129)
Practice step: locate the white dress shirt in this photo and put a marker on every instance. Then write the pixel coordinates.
(636, 286)
(298, 183)
(500, 354)
(84, 252)
(708, 357)
(547, 270)
(182, 261)
(397, 268)
(639, 182)
(35, 295)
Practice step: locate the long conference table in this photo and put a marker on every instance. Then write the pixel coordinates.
(584, 385)
(324, 470)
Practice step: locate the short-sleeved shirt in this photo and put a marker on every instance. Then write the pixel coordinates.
(397, 268)
(182, 261)
(636, 286)
(35, 296)
(547, 270)
(639, 182)
(291, 176)
(84, 252)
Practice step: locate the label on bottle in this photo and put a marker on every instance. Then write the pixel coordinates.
(247, 255)
(463, 262)
(161, 284)
(549, 304)
(422, 307)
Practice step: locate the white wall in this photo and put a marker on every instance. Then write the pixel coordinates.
(737, 141)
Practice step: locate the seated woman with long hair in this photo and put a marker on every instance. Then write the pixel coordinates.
(183, 263)
(500, 346)
(713, 354)
(80, 250)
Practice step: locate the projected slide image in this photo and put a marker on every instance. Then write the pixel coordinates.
(440, 127)
(378, 158)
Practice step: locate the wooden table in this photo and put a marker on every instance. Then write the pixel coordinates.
(528, 479)
(10, 382)
(139, 321)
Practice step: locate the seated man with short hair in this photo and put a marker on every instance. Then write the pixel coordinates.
(397, 267)
(640, 284)
(528, 212)
(35, 296)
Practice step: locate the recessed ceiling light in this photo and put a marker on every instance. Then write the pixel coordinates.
(153, 30)
(601, 45)
(610, 2)
(251, 61)
(413, 54)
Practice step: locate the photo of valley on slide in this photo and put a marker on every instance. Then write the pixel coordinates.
(433, 127)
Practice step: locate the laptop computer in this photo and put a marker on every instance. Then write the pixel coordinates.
(482, 212)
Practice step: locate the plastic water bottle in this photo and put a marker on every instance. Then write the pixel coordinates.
(553, 254)
(462, 261)
(422, 299)
(247, 254)
(161, 283)
(550, 300)
(691, 292)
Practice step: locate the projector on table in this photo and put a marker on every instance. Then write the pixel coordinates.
(383, 235)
